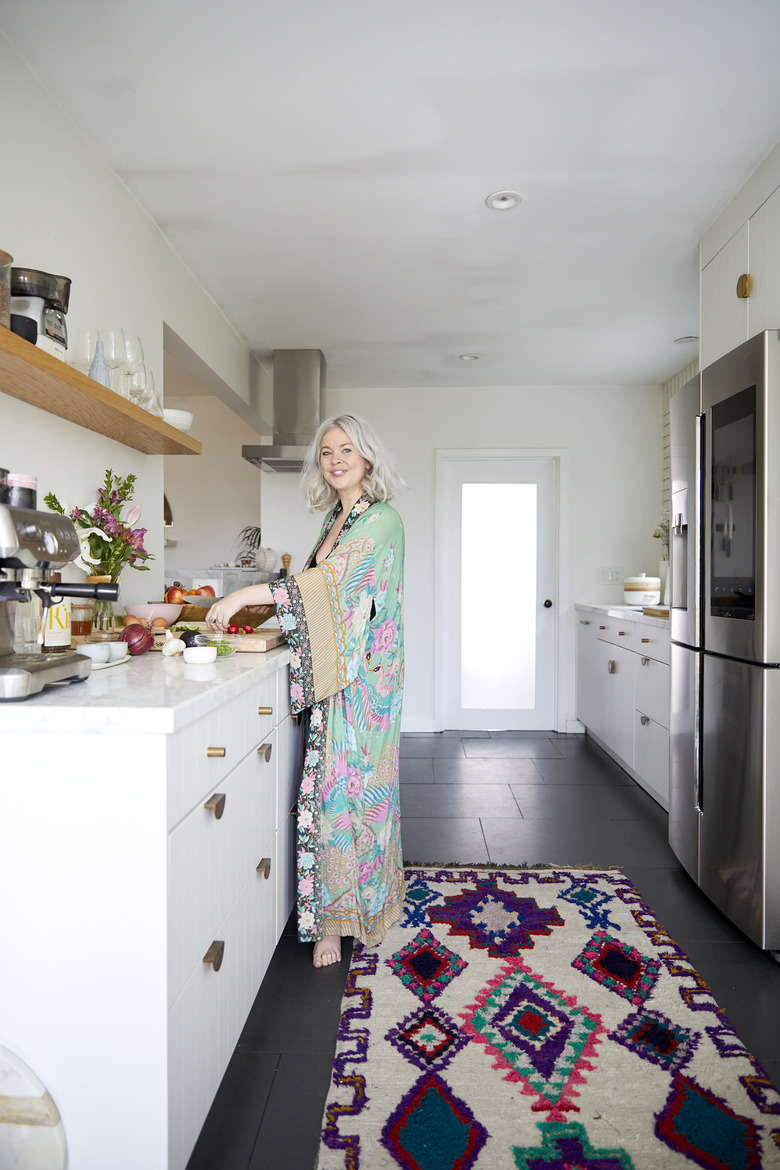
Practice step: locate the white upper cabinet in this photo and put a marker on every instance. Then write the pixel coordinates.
(728, 318)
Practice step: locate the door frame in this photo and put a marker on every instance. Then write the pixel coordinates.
(478, 454)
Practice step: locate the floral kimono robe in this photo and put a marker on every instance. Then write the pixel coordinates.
(343, 621)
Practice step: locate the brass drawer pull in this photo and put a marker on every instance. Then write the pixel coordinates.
(622, 633)
(602, 627)
(296, 717)
(264, 867)
(265, 710)
(265, 750)
(294, 810)
(216, 753)
(611, 666)
(215, 954)
(644, 720)
(644, 639)
(217, 804)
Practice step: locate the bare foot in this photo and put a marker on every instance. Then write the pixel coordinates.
(327, 950)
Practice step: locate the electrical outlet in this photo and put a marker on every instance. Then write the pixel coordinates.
(610, 576)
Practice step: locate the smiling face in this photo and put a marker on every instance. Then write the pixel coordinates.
(340, 463)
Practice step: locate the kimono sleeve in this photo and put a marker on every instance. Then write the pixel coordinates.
(324, 613)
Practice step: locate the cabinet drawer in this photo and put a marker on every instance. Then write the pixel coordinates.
(205, 751)
(651, 756)
(651, 689)
(654, 642)
(618, 632)
(210, 858)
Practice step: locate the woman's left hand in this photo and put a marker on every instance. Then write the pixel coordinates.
(220, 613)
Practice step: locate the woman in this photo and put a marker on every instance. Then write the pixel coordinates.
(342, 616)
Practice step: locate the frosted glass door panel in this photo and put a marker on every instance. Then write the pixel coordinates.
(498, 528)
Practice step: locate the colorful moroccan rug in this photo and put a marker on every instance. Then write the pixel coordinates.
(538, 1020)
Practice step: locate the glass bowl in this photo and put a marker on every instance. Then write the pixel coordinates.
(226, 644)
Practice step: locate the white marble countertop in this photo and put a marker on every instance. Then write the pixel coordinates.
(148, 694)
(629, 613)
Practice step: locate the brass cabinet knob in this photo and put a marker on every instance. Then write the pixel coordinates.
(216, 753)
(264, 867)
(644, 639)
(743, 286)
(265, 750)
(217, 804)
(602, 627)
(215, 954)
(644, 720)
(611, 666)
(622, 633)
(265, 710)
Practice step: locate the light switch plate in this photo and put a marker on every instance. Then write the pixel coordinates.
(610, 576)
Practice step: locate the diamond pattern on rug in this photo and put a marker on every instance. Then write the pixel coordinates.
(542, 1038)
(495, 920)
(591, 902)
(619, 967)
(432, 1129)
(418, 896)
(428, 1038)
(707, 1130)
(426, 966)
(565, 1146)
(655, 1038)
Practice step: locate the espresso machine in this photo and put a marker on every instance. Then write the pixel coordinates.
(34, 546)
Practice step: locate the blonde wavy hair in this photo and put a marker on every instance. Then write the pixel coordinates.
(381, 481)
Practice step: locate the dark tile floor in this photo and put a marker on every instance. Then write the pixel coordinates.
(507, 798)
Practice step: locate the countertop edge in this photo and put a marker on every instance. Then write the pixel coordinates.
(625, 612)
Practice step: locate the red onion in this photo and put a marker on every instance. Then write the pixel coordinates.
(139, 639)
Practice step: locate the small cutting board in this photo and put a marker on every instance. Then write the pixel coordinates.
(264, 638)
(661, 611)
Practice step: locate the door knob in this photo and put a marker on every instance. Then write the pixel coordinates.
(548, 604)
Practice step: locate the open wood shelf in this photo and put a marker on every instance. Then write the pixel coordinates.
(49, 383)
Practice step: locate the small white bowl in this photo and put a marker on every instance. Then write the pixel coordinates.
(200, 653)
(116, 650)
(97, 651)
(181, 419)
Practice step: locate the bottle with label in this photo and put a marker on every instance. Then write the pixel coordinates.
(56, 630)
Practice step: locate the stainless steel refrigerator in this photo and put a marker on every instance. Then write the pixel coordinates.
(724, 800)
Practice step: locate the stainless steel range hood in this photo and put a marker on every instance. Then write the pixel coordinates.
(299, 387)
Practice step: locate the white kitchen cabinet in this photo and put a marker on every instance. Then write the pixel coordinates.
(726, 319)
(623, 691)
(124, 877)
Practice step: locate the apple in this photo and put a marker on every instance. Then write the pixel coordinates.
(203, 591)
(175, 594)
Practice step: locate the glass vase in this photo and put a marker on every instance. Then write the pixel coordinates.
(103, 616)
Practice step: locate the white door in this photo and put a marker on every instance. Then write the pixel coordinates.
(497, 566)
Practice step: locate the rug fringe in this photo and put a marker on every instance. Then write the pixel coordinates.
(502, 866)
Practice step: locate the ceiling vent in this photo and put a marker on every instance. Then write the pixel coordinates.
(299, 390)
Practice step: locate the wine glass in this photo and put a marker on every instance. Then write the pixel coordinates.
(136, 384)
(134, 354)
(82, 348)
(114, 348)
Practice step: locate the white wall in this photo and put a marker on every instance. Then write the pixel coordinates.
(611, 437)
(62, 210)
(212, 498)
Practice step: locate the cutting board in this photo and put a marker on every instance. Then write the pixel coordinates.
(661, 611)
(263, 639)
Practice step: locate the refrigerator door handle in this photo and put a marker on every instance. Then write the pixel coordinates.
(697, 768)
(698, 534)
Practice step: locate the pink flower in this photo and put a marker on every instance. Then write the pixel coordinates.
(296, 693)
(281, 596)
(307, 784)
(384, 637)
(306, 885)
(354, 783)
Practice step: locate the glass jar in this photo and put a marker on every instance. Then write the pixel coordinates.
(81, 613)
(6, 260)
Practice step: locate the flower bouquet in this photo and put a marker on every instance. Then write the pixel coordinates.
(107, 538)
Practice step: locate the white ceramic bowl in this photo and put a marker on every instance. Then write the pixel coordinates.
(97, 651)
(117, 650)
(200, 653)
(181, 419)
(153, 609)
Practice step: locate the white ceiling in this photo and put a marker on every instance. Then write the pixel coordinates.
(322, 167)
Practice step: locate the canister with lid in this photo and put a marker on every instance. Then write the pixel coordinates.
(642, 590)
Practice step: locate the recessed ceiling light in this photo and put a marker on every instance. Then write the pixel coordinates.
(685, 340)
(503, 200)
(468, 357)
